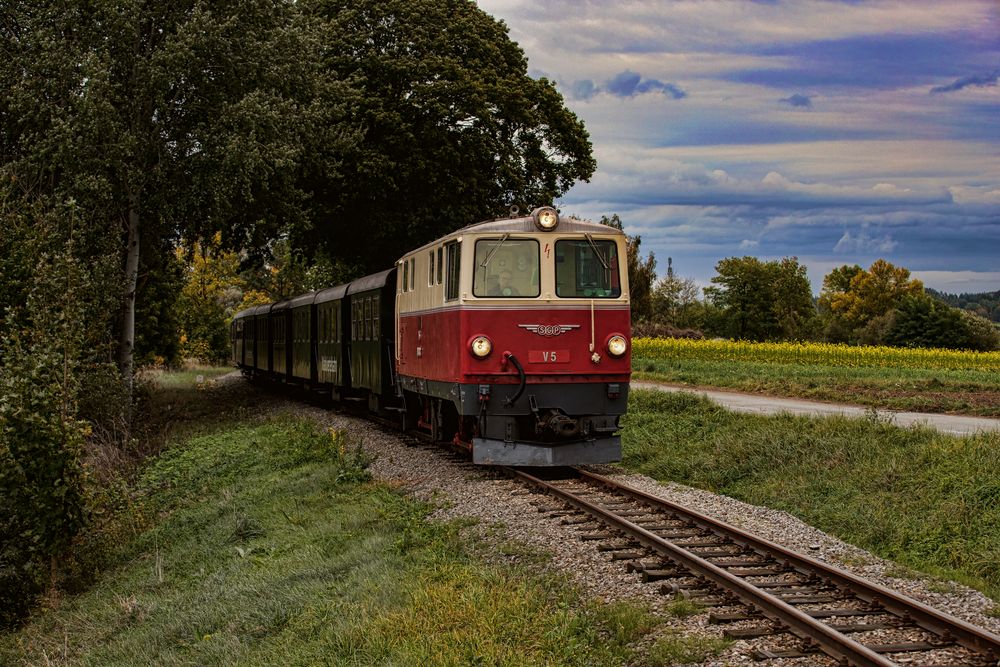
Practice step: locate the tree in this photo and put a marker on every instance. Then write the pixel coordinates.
(920, 321)
(641, 273)
(852, 297)
(676, 301)
(212, 291)
(454, 129)
(762, 300)
(166, 119)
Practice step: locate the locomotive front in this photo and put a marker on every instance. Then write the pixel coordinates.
(515, 334)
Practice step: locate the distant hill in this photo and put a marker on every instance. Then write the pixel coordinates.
(986, 304)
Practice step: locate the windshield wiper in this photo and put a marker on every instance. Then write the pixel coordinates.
(486, 261)
(604, 262)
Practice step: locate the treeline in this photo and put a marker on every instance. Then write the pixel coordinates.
(984, 304)
(161, 163)
(758, 300)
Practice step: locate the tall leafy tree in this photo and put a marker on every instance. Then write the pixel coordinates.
(166, 118)
(853, 296)
(677, 302)
(763, 300)
(454, 128)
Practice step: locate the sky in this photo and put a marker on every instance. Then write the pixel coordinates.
(835, 132)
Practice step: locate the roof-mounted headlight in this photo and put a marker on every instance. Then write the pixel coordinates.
(546, 218)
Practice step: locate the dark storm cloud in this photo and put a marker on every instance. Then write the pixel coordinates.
(625, 84)
(966, 81)
(799, 101)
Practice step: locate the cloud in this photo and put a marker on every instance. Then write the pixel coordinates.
(625, 84)
(798, 101)
(864, 243)
(966, 81)
(748, 244)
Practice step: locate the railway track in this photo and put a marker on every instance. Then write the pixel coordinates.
(779, 592)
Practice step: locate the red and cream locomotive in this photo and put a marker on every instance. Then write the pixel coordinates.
(509, 338)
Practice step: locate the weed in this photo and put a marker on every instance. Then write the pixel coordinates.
(681, 607)
(674, 648)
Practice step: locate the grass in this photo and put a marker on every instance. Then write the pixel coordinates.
(924, 499)
(260, 542)
(920, 390)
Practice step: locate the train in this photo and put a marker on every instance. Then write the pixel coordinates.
(509, 339)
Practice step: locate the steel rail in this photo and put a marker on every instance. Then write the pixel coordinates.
(804, 626)
(932, 620)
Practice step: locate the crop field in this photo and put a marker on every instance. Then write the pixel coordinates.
(925, 380)
(824, 354)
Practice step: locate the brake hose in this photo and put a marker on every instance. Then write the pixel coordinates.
(509, 401)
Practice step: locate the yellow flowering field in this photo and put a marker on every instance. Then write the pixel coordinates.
(824, 354)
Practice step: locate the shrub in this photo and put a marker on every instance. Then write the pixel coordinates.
(41, 500)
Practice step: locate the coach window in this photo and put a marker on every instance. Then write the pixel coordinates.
(406, 276)
(587, 268)
(375, 307)
(430, 268)
(506, 267)
(440, 265)
(453, 251)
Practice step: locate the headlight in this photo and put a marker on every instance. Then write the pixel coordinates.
(546, 218)
(617, 345)
(481, 346)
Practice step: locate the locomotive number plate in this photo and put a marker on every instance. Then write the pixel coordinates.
(548, 356)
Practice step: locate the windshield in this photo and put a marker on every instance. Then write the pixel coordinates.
(506, 267)
(587, 268)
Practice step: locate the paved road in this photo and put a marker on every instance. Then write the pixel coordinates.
(770, 405)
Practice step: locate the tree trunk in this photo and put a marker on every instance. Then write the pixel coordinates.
(127, 346)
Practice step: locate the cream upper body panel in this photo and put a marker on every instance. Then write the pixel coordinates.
(427, 280)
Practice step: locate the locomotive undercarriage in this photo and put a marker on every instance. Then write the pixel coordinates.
(543, 425)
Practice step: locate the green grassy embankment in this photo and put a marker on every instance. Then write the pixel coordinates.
(926, 500)
(967, 392)
(264, 542)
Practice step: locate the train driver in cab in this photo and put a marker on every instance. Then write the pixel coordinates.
(506, 287)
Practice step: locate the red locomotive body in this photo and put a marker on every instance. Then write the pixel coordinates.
(520, 341)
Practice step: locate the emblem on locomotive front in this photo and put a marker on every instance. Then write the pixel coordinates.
(549, 330)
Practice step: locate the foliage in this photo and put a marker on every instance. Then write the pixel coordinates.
(187, 117)
(641, 273)
(981, 333)
(454, 129)
(827, 354)
(660, 330)
(920, 321)
(158, 308)
(852, 297)
(41, 437)
(763, 300)
(983, 304)
(676, 302)
(211, 294)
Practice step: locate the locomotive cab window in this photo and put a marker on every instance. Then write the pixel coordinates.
(454, 270)
(506, 268)
(587, 268)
